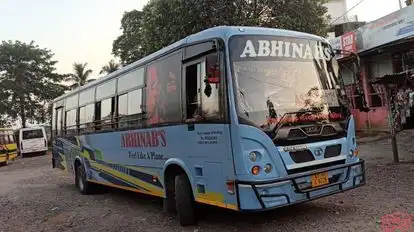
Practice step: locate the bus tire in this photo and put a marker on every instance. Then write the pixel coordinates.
(81, 183)
(185, 204)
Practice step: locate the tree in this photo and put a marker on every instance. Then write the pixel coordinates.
(28, 81)
(110, 67)
(162, 22)
(80, 75)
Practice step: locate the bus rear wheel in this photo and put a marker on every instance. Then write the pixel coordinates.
(184, 200)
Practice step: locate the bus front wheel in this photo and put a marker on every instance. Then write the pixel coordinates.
(184, 200)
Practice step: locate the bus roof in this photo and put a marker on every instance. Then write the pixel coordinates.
(224, 32)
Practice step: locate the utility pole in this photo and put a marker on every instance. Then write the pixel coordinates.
(392, 119)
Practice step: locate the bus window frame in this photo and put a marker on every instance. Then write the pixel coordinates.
(200, 57)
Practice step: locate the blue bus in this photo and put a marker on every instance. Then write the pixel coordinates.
(243, 118)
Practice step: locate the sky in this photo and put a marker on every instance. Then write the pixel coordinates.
(83, 30)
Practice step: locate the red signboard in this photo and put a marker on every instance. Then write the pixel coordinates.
(348, 41)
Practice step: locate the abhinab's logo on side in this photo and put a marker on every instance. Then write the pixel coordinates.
(286, 49)
(153, 138)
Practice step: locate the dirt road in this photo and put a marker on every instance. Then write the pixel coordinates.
(35, 197)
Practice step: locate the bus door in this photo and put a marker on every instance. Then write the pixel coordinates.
(207, 132)
(58, 157)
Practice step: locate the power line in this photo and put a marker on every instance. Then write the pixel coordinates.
(347, 11)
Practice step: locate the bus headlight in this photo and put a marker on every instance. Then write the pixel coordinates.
(268, 168)
(253, 156)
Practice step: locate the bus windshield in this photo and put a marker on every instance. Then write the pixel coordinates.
(285, 80)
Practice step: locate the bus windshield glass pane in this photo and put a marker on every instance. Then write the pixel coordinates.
(277, 77)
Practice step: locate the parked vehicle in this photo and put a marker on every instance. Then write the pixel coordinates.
(8, 146)
(33, 140)
(244, 118)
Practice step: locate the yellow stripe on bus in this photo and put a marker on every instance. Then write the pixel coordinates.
(218, 204)
(123, 187)
(216, 199)
(152, 190)
(3, 159)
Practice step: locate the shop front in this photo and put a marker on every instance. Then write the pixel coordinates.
(385, 47)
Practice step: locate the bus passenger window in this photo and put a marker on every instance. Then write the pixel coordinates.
(106, 113)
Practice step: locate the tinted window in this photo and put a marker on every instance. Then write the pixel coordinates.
(105, 90)
(131, 80)
(163, 87)
(32, 134)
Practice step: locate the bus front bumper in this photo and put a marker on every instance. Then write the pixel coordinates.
(285, 191)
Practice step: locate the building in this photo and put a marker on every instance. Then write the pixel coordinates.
(340, 21)
(385, 47)
(337, 9)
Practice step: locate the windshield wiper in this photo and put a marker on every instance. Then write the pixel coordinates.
(279, 124)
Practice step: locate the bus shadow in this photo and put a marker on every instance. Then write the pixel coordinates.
(308, 211)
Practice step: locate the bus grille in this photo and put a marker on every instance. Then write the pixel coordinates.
(296, 134)
(302, 156)
(332, 151)
(327, 130)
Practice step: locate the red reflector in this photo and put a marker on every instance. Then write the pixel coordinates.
(230, 186)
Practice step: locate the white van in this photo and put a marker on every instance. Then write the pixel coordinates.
(32, 140)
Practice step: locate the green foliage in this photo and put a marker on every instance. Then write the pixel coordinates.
(162, 22)
(80, 75)
(28, 81)
(112, 66)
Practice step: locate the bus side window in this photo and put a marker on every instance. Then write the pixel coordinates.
(210, 95)
(202, 90)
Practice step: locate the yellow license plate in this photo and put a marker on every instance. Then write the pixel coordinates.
(320, 179)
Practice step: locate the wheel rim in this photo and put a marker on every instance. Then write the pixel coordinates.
(80, 181)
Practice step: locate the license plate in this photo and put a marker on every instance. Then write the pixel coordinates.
(320, 179)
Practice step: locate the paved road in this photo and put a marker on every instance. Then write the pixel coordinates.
(34, 197)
